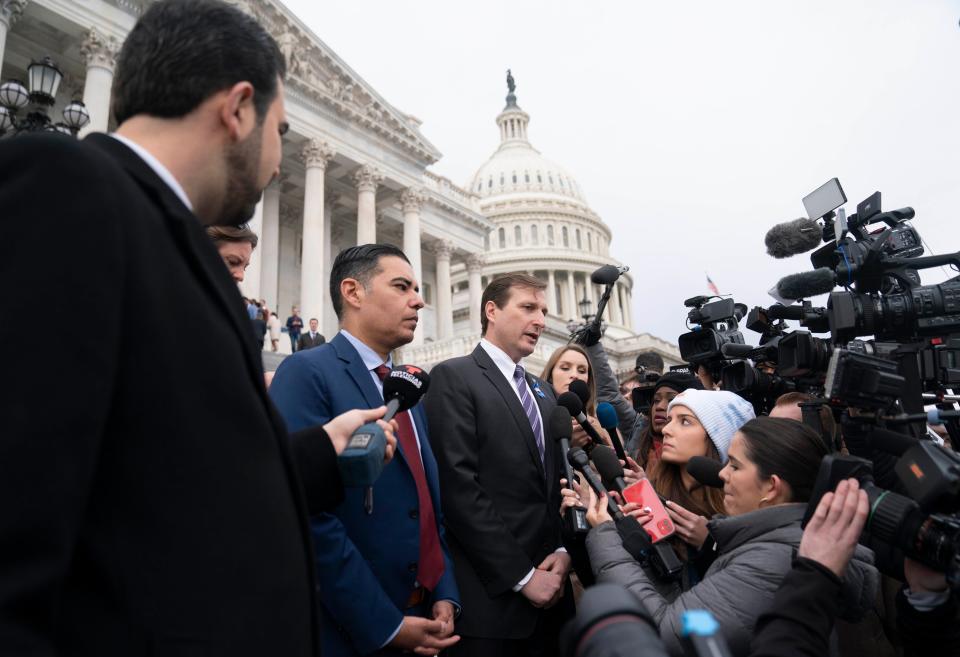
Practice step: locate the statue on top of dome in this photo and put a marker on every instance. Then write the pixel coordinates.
(511, 85)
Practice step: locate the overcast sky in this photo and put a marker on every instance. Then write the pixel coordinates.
(692, 127)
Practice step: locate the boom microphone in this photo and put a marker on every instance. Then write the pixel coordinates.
(608, 274)
(807, 284)
(706, 471)
(609, 421)
(571, 402)
(793, 237)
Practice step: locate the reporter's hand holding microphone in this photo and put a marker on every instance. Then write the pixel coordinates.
(341, 428)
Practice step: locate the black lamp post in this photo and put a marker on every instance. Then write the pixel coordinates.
(586, 309)
(44, 78)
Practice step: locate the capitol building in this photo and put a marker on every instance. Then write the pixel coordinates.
(357, 169)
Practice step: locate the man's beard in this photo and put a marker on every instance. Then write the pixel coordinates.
(243, 190)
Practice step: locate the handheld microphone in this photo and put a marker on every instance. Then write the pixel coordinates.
(611, 472)
(571, 402)
(574, 517)
(608, 274)
(807, 284)
(793, 237)
(581, 462)
(361, 462)
(706, 471)
(609, 421)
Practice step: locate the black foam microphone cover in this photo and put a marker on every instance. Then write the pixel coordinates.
(793, 237)
(608, 465)
(605, 275)
(807, 284)
(571, 402)
(706, 471)
(407, 384)
(560, 425)
(580, 389)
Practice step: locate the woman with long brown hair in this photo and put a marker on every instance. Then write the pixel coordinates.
(571, 363)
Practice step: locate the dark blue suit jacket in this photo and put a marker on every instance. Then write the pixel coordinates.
(366, 564)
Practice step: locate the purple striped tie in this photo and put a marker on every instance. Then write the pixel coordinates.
(529, 407)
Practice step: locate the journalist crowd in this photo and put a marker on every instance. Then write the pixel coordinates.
(166, 496)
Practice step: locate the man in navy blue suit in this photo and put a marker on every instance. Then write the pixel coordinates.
(384, 570)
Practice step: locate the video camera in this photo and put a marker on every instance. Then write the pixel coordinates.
(712, 325)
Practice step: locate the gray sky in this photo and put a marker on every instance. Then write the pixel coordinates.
(692, 127)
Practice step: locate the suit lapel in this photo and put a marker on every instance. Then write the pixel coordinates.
(506, 391)
(198, 251)
(361, 376)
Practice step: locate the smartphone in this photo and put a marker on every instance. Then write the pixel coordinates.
(660, 526)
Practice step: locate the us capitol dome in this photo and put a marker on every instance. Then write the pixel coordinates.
(544, 225)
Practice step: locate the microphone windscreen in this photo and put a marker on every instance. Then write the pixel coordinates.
(891, 442)
(607, 415)
(407, 384)
(607, 464)
(571, 402)
(807, 284)
(706, 471)
(793, 237)
(580, 389)
(560, 425)
(605, 275)
(578, 458)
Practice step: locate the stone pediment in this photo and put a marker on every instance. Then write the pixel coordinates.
(317, 73)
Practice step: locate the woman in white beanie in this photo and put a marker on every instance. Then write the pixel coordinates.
(699, 423)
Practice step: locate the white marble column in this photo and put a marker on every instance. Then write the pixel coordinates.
(251, 276)
(588, 290)
(10, 12)
(571, 310)
(330, 324)
(412, 200)
(367, 178)
(443, 249)
(617, 316)
(552, 293)
(100, 53)
(624, 306)
(315, 154)
(474, 271)
(270, 246)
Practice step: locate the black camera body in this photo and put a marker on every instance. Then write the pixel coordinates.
(715, 324)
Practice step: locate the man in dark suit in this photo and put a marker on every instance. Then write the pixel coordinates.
(499, 479)
(387, 578)
(311, 338)
(153, 499)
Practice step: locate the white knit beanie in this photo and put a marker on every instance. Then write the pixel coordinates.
(721, 413)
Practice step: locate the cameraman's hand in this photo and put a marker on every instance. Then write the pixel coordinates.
(340, 428)
(832, 533)
(922, 579)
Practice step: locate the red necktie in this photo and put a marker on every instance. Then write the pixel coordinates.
(430, 565)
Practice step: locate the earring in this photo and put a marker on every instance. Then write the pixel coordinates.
(763, 499)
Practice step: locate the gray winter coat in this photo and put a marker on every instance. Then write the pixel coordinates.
(756, 551)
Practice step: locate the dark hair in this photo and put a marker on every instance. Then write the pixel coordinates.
(233, 234)
(499, 289)
(181, 52)
(361, 263)
(786, 448)
(649, 360)
(314, 319)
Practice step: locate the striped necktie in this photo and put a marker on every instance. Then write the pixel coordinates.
(529, 407)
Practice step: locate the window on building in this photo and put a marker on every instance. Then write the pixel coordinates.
(426, 293)
(503, 238)
(517, 236)
(539, 178)
(501, 180)
(534, 236)
(566, 236)
(550, 239)
(490, 182)
(514, 179)
(526, 176)
(590, 241)
(579, 243)
(550, 177)
(560, 310)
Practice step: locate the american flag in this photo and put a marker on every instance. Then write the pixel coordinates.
(711, 285)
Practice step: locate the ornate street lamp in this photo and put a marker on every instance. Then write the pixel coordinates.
(44, 77)
(586, 309)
